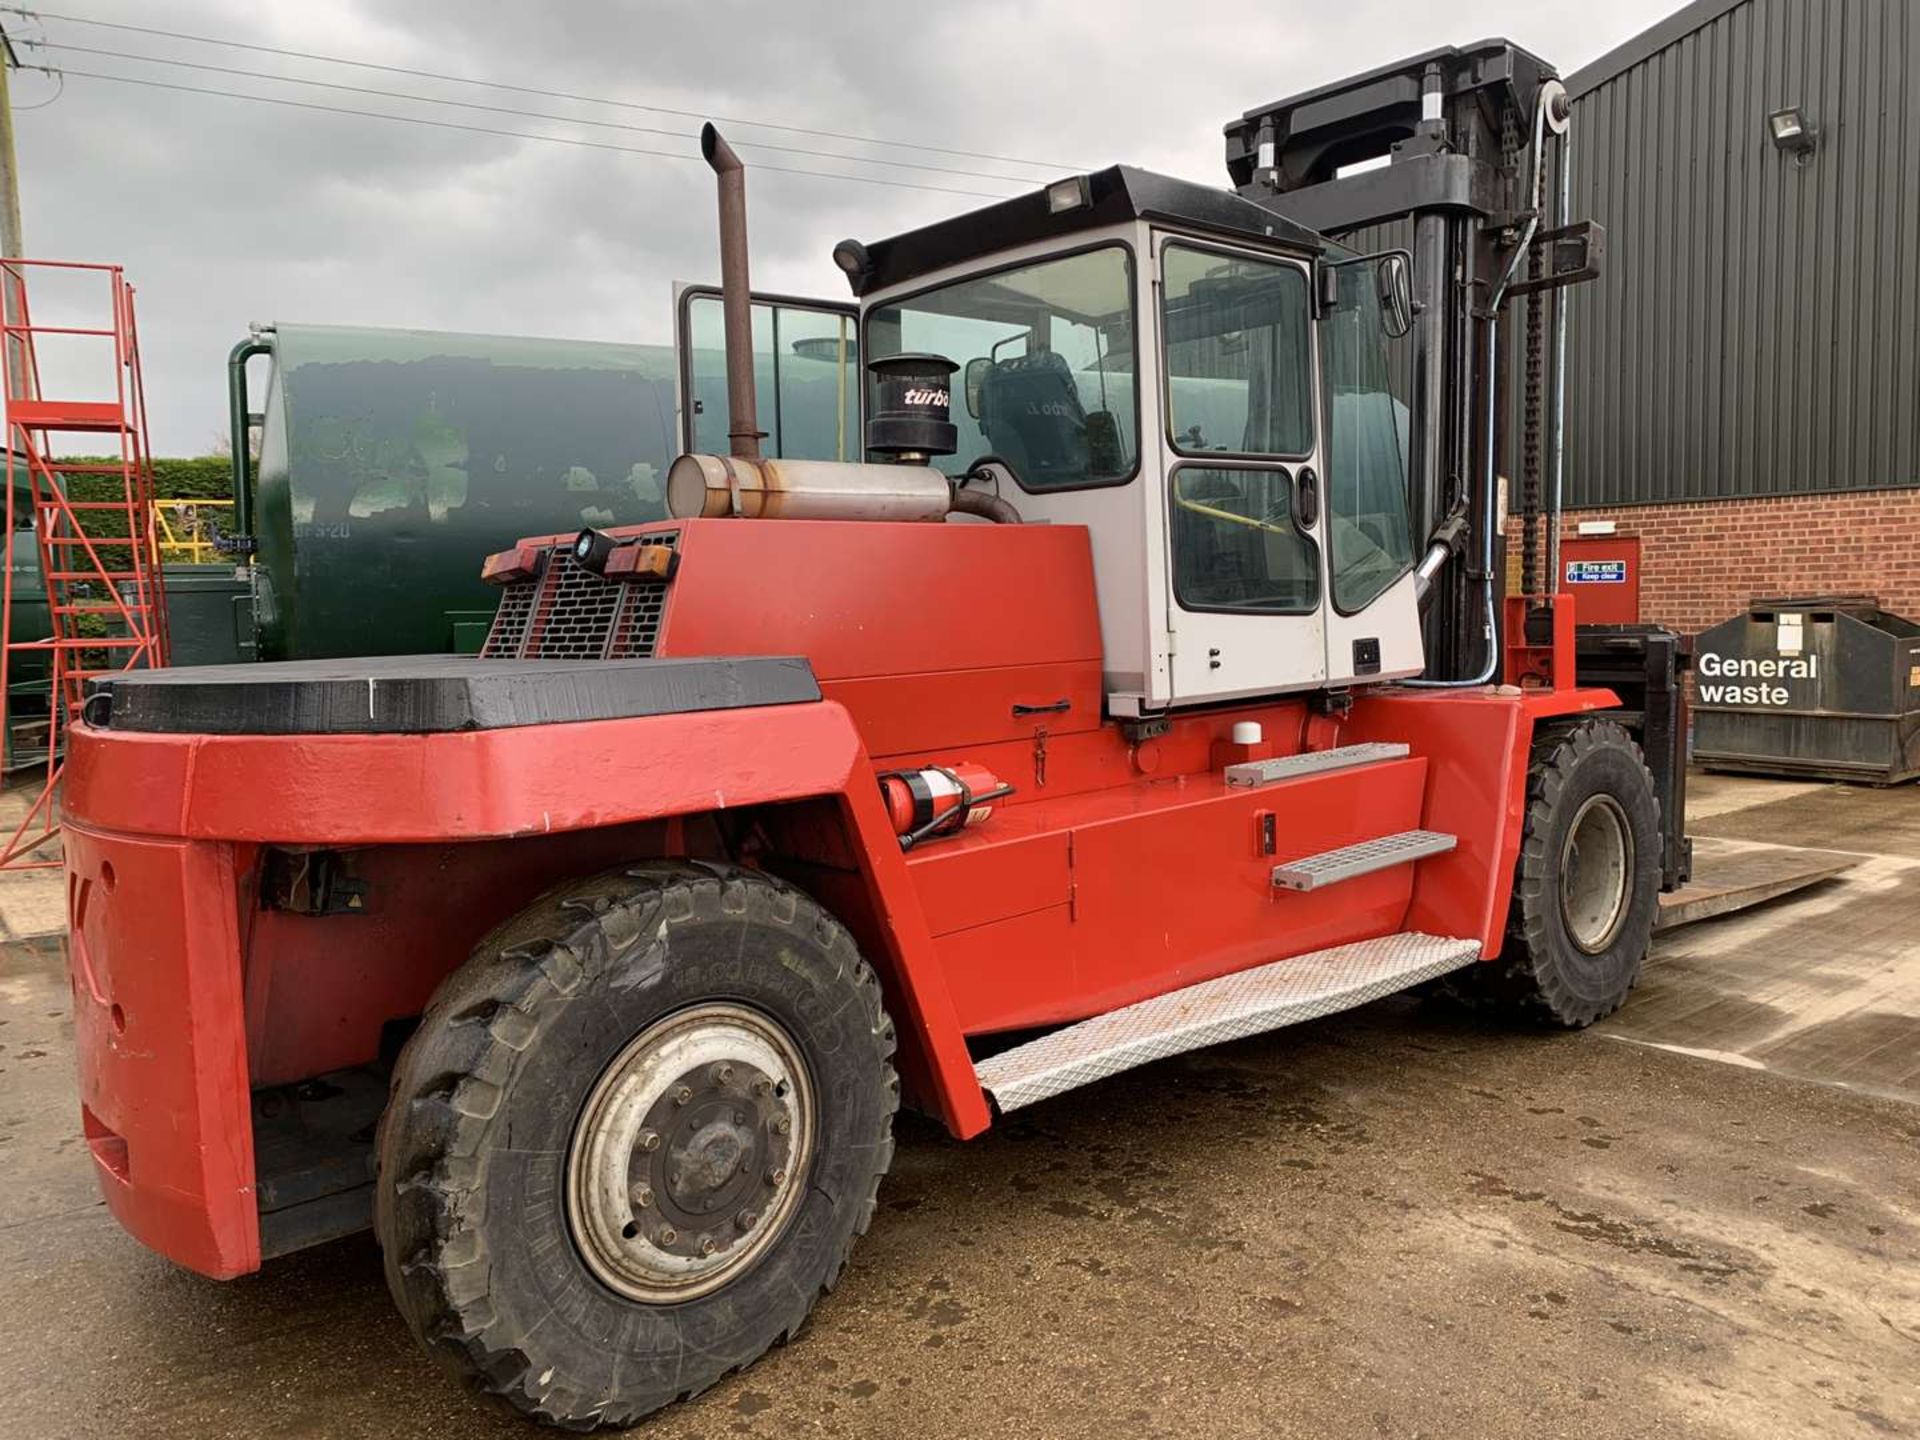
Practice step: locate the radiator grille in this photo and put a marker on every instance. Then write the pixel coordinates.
(637, 628)
(574, 614)
(509, 626)
(569, 613)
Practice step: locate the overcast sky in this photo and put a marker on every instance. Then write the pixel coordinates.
(226, 211)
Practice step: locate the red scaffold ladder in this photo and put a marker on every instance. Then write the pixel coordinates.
(81, 478)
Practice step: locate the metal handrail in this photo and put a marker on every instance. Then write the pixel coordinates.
(191, 544)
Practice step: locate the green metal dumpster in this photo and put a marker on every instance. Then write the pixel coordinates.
(209, 614)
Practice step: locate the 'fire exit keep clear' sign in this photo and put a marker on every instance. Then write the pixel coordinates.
(1596, 572)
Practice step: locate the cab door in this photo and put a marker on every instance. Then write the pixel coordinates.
(806, 367)
(1373, 615)
(1240, 459)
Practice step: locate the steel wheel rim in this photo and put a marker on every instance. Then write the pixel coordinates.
(1596, 874)
(691, 1153)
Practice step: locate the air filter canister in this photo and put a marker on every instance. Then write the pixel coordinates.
(912, 399)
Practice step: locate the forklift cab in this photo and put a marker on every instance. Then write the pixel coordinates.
(1202, 384)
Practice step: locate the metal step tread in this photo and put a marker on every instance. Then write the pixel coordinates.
(1310, 762)
(1250, 1002)
(68, 414)
(1330, 867)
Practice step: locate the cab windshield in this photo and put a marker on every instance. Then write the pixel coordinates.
(1046, 380)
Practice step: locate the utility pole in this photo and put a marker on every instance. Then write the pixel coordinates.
(12, 247)
(10, 242)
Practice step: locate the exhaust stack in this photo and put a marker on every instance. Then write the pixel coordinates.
(915, 391)
(736, 304)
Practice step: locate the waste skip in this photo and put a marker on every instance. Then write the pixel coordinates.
(1824, 687)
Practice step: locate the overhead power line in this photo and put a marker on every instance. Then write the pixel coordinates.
(511, 110)
(529, 89)
(508, 134)
(42, 104)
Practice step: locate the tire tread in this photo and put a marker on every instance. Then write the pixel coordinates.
(1524, 981)
(452, 1073)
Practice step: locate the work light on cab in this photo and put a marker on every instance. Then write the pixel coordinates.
(592, 548)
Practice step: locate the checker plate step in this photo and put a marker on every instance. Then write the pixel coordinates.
(1312, 762)
(1250, 1002)
(1330, 867)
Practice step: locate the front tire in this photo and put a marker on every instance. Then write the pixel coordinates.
(1586, 888)
(634, 1139)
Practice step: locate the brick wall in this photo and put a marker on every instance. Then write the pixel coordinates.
(1701, 562)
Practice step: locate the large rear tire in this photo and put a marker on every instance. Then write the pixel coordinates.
(1586, 889)
(634, 1139)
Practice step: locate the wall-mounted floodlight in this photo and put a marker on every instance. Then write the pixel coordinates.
(1792, 132)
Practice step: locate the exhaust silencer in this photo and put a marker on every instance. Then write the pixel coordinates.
(716, 485)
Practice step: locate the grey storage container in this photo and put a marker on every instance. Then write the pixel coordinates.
(1824, 687)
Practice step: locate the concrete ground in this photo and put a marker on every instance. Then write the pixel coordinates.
(1701, 1218)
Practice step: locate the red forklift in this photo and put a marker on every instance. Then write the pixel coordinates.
(1151, 684)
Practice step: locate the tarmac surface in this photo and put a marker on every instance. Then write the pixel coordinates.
(1701, 1218)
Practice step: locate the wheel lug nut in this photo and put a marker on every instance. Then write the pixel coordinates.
(682, 1095)
(707, 1247)
(649, 1140)
(762, 1086)
(776, 1176)
(782, 1126)
(642, 1195)
(668, 1235)
(746, 1220)
(722, 1074)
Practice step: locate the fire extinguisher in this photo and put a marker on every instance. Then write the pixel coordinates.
(937, 800)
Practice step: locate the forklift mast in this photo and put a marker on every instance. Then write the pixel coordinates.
(1463, 154)
(1453, 148)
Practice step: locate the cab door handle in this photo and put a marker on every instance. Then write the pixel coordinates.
(1306, 498)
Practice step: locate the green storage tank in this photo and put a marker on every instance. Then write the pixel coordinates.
(393, 461)
(29, 674)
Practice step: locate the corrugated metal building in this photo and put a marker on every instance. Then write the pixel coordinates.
(1744, 378)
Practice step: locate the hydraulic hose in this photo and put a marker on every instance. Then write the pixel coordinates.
(1562, 217)
(986, 505)
(1491, 492)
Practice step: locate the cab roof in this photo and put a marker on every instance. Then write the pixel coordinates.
(1118, 193)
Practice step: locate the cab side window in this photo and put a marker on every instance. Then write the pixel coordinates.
(1239, 359)
(806, 378)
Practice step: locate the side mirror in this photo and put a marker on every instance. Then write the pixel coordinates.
(975, 381)
(1394, 278)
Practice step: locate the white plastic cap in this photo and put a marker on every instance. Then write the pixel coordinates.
(1246, 732)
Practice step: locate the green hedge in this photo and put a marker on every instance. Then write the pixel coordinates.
(205, 477)
(199, 477)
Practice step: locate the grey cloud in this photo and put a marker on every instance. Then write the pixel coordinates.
(225, 212)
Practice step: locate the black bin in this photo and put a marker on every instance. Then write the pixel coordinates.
(1824, 687)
